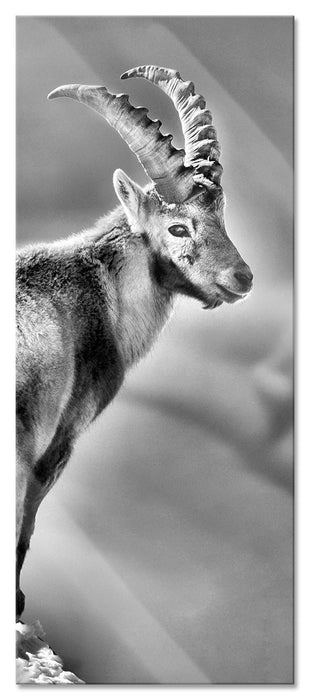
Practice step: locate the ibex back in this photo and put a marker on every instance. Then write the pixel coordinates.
(93, 304)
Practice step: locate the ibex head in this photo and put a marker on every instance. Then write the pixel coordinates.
(181, 215)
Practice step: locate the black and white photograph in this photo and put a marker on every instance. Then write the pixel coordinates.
(154, 350)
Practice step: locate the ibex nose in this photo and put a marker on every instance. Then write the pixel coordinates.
(244, 277)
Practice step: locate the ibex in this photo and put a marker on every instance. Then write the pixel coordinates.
(92, 305)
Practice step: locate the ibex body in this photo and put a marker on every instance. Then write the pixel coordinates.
(92, 305)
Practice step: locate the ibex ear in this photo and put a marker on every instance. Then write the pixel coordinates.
(130, 195)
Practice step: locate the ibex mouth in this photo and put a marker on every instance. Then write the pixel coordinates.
(213, 304)
(229, 296)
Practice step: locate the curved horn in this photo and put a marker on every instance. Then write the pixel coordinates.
(163, 163)
(201, 146)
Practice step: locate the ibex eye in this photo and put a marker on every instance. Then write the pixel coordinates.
(179, 230)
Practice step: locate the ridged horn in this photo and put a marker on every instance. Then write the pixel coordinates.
(163, 163)
(202, 150)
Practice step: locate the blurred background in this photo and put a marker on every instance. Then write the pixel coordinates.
(164, 552)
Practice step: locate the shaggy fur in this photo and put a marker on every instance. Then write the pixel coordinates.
(92, 305)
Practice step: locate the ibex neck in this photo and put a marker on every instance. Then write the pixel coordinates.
(139, 307)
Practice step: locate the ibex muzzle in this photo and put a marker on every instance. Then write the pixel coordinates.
(90, 306)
